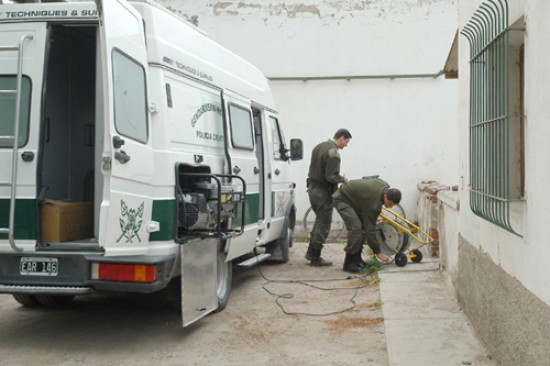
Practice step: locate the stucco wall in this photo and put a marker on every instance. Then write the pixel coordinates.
(514, 323)
(520, 257)
(502, 279)
(403, 129)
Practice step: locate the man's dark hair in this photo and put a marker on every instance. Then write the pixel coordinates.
(394, 195)
(342, 133)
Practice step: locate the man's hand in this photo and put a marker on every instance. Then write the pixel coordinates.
(383, 258)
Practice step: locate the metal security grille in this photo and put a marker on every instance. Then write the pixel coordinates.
(492, 162)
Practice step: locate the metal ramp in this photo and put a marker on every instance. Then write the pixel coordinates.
(14, 139)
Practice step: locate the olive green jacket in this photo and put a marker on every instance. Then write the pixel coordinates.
(366, 196)
(324, 169)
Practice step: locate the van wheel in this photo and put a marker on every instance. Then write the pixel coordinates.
(172, 293)
(224, 279)
(54, 301)
(26, 300)
(279, 249)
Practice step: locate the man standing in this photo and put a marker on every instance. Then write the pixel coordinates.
(323, 178)
(359, 202)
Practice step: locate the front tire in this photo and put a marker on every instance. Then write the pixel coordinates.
(279, 249)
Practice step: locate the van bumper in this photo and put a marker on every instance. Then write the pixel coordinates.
(73, 275)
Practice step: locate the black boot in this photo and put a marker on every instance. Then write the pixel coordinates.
(359, 260)
(316, 260)
(308, 254)
(351, 264)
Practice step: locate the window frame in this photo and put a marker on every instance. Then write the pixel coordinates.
(233, 127)
(496, 123)
(279, 149)
(117, 101)
(24, 123)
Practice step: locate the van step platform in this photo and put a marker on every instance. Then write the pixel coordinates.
(254, 260)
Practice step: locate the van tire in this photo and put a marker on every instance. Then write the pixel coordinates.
(54, 301)
(172, 293)
(279, 249)
(224, 280)
(26, 300)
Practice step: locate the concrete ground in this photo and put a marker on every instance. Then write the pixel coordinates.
(278, 315)
(423, 321)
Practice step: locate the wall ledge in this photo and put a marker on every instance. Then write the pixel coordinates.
(450, 198)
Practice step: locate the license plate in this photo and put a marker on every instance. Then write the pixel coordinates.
(37, 266)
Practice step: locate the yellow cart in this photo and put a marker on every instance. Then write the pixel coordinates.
(396, 233)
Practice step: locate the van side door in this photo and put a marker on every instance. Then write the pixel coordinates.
(241, 149)
(127, 159)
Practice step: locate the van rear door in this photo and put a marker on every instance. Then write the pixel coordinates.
(127, 159)
(20, 44)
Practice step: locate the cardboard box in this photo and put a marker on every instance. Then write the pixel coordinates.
(66, 220)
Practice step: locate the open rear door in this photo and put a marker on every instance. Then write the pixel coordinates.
(21, 65)
(127, 159)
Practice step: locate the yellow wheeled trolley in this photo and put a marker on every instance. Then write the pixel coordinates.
(395, 233)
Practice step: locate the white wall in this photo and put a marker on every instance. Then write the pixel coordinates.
(397, 132)
(403, 129)
(524, 257)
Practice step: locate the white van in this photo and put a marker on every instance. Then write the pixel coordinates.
(134, 152)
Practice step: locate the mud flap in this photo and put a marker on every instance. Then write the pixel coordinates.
(198, 279)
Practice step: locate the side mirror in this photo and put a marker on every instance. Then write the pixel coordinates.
(296, 149)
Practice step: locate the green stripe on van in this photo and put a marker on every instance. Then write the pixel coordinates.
(252, 209)
(164, 212)
(25, 218)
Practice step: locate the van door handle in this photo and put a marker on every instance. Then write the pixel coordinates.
(277, 172)
(27, 156)
(122, 156)
(236, 169)
(256, 170)
(117, 142)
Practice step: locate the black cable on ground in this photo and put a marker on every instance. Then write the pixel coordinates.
(307, 283)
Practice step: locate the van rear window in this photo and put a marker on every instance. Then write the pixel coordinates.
(8, 99)
(130, 97)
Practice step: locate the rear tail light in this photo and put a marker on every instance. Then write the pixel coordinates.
(124, 272)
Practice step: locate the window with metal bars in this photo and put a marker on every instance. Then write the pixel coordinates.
(496, 124)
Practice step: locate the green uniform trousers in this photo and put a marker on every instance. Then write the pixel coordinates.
(320, 199)
(356, 235)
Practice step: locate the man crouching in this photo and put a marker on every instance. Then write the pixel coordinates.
(359, 203)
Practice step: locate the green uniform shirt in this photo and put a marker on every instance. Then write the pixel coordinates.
(366, 196)
(324, 168)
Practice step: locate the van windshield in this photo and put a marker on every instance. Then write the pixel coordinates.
(7, 106)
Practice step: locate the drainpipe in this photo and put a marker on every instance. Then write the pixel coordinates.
(352, 77)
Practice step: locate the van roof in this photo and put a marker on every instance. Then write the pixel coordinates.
(175, 43)
(172, 42)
